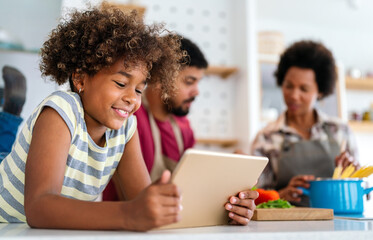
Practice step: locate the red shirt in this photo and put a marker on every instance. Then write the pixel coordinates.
(168, 141)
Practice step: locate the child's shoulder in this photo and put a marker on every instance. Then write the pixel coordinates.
(64, 98)
(63, 94)
(66, 103)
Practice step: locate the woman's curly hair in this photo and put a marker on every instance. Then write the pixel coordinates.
(311, 55)
(92, 40)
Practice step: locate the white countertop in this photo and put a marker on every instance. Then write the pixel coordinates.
(338, 229)
(333, 229)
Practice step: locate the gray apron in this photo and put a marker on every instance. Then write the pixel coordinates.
(306, 157)
(162, 162)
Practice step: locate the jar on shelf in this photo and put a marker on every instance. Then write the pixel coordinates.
(366, 116)
(355, 116)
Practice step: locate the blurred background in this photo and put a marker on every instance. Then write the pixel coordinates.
(242, 40)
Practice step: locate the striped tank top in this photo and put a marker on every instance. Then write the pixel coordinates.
(88, 168)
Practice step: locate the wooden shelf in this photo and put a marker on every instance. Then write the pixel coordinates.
(216, 141)
(129, 7)
(359, 83)
(222, 71)
(361, 126)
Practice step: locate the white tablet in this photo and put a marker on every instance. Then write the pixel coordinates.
(207, 179)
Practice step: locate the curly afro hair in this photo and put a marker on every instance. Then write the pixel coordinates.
(311, 55)
(89, 41)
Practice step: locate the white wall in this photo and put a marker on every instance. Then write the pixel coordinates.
(30, 21)
(347, 31)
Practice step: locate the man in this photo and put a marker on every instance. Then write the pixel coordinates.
(165, 132)
(12, 103)
(164, 129)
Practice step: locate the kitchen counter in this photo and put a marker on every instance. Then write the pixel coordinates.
(337, 229)
(333, 229)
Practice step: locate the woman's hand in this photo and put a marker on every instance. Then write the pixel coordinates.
(291, 191)
(241, 208)
(158, 205)
(345, 159)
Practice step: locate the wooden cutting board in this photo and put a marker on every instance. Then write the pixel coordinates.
(294, 213)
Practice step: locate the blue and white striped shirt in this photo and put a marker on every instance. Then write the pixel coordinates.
(88, 168)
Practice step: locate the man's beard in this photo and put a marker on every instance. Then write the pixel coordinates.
(178, 110)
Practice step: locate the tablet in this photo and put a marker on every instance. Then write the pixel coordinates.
(207, 179)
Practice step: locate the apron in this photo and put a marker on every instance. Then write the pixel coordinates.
(306, 157)
(162, 162)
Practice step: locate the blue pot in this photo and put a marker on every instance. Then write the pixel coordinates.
(344, 196)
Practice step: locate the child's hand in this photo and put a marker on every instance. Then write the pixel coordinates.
(241, 208)
(158, 205)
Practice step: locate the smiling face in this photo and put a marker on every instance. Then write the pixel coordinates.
(187, 90)
(300, 91)
(112, 95)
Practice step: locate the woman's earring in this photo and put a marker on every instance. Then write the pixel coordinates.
(80, 90)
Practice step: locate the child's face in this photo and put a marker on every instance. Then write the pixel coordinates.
(112, 95)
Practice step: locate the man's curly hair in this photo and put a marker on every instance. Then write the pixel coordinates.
(92, 40)
(310, 55)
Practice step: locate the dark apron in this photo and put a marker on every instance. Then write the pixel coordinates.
(162, 162)
(306, 157)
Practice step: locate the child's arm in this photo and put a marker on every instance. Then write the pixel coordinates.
(45, 167)
(131, 162)
(157, 205)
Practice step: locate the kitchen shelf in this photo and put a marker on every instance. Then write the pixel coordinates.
(359, 83)
(219, 142)
(129, 7)
(222, 71)
(31, 51)
(361, 126)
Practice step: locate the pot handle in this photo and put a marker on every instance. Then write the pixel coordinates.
(368, 190)
(305, 191)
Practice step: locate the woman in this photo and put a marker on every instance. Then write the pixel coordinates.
(304, 143)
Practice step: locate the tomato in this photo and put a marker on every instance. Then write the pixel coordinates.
(266, 195)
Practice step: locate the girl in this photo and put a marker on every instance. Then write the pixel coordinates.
(74, 141)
